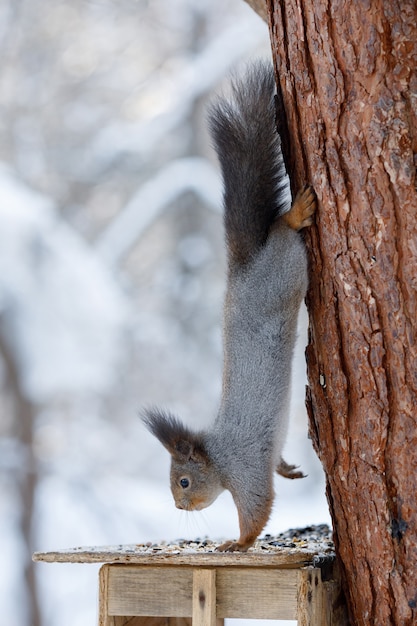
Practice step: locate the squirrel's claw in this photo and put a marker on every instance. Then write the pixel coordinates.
(232, 546)
(289, 471)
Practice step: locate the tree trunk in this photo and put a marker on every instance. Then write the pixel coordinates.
(26, 481)
(347, 72)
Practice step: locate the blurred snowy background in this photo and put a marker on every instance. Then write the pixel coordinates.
(111, 283)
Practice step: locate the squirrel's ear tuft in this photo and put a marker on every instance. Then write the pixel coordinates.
(180, 442)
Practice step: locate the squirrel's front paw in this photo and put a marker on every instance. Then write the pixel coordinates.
(289, 471)
(232, 546)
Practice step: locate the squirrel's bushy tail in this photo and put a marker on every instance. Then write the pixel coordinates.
(249, 149)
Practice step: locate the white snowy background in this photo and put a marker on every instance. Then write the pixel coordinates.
(111, 284)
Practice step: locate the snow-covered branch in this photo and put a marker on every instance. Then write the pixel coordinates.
(60, 307)
(197, 76)
(189, 174)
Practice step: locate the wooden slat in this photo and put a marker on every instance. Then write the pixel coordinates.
(241, 592)
(256, 594)
(204, 597)
(149, 591)
(311, 609)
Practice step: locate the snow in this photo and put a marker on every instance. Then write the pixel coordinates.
(58, 301)
(153, 197)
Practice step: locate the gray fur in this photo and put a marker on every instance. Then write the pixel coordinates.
(267, 280)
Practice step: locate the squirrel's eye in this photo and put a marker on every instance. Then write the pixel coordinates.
(184, 482)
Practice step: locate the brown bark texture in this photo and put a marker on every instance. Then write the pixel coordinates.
(348, 76)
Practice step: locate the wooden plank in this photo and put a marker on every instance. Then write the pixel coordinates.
(281, 557)
(149, 591)
(241, 592)
(204, 597)
(311, 608)
(256, 593)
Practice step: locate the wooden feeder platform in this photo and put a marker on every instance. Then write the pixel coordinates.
(292, 576)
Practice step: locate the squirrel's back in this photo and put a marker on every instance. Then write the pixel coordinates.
(248, 146)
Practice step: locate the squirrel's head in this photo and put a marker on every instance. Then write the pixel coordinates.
(195, 483)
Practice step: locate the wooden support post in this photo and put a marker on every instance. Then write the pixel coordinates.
(310, 599)
(103, 585)
(204, 597)
(309, 603)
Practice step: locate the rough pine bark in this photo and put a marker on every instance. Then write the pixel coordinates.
(348, 77)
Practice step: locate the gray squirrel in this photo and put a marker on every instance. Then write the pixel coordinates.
(266, 283)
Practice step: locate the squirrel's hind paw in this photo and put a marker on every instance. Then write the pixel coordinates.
(301, 213)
